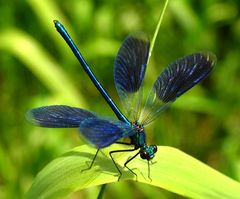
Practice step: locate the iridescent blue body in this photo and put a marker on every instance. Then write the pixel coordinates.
(129, 70)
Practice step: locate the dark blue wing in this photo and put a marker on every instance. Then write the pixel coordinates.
(129, 69)
(58, 116)
(183, 74)
(130, 63)
(176, 79)
(103, 132)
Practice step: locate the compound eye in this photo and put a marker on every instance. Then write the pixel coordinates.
(154, 148)
(143, 155)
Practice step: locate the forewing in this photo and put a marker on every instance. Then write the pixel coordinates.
(103, 132)
(129, 70)
(58, 116)
(176, 79)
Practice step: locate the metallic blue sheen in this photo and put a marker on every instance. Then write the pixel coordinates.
(60, 28)
(129, 70)
(103, 132)
(183, 74)
(130, 63)
(58, 116)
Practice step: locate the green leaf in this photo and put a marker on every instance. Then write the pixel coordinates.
(42, 64)
(171, 169)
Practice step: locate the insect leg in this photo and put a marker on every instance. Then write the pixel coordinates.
(123, 143)
(149, 172)
(119, 151)
(92, 161)
(129, 160)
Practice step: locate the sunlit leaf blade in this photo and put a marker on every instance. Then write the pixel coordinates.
(129, 70)
(179, 76)
(58, 116)
(172, 170)
(104, 132)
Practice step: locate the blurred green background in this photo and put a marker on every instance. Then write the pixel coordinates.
(37, 68)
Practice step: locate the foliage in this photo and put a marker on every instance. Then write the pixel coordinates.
(172, 170)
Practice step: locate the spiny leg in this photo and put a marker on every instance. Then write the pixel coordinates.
(149, 172)
(119, 151)
(124, 143)
(129, 160)
(92, 161)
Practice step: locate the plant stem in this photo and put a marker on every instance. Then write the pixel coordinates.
(100, 195)
(158, 27)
